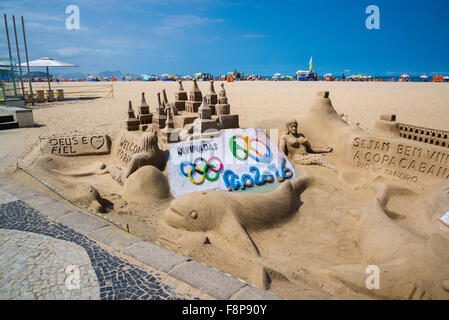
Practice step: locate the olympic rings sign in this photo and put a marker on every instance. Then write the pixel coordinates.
(254, 145)
(202, 170)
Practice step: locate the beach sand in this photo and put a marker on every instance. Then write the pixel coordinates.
(298, 254)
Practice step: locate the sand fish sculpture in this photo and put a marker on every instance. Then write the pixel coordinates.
(410, 266)
(93, 200)
(225, 218)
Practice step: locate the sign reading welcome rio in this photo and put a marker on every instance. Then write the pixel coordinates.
(240, 160)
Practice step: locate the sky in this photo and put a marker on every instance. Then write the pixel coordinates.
(218, 36)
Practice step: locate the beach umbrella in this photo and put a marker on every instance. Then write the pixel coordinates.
(404, 76)
(47, 62)
(424, 76)
(446, 78)
(328, 75)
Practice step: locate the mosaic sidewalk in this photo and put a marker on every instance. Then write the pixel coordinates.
(52, 251)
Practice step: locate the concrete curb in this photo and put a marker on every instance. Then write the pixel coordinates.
(207, 279)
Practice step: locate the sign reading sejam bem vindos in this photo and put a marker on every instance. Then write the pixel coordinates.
(239, 160)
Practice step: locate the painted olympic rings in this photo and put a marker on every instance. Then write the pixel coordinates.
(203, 172)
(255, 154)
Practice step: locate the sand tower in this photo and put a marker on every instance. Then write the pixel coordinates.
(180, 97)
(169, 134)
(145, 117)
(160, 116)
(204, 121)
(222, 107)
(212, 97)
(195, 98)
(164, 96)
(132, 124)
(225, 119)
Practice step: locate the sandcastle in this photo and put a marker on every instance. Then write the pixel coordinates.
(132, 124)
(384, 206)
(195, 98)
(211, 97)
(198, 115)
(160, 116)
(144, 116)
(180, 97)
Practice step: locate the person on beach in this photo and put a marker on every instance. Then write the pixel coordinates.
(300, 151)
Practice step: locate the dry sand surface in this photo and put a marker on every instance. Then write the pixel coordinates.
(322, 248)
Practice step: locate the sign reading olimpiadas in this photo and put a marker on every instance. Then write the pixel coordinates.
(239, 160)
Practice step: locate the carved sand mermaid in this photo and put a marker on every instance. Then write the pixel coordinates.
(299, 150)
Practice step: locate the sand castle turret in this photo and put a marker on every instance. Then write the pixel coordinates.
(132, 124)
(212, 97)
(180, 97)
(225, 119)
(204, 121)
(169, 134)
(160, 117)
(164, 95)
(195, 98)
(145, 117)
(322, 106)
(387, 126)
(222, 107)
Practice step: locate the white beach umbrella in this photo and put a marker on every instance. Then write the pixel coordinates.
(424, 76)
(328, 75)
(47, 62)
(404, 76)
(446, 78)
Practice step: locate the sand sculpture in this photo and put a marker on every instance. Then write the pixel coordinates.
(222, 107)
(199, 115)
(145, 185)
(160, 116)
(169, 133)
(401, 151)
(132, 124)
(76, 145)
(304, 237)
(299, 149)
(150, 154)
(212, 97)
(406, 251)
(195, 98)
(145, 116)
(229, 225)
(94, 200)
(204, 121)
(180, 97)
